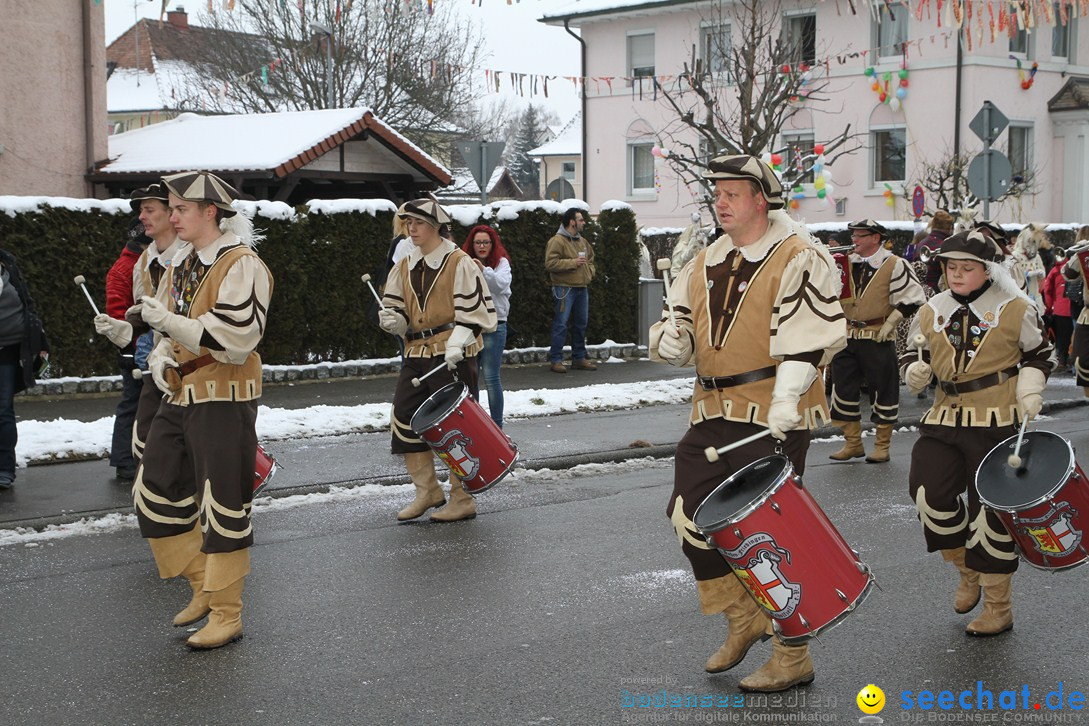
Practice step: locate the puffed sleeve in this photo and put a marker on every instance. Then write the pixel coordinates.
(807, 321)
(393, 295)
(473, 307)
(906, 293)
(682, 312)
(236, 323)
(1036, 347)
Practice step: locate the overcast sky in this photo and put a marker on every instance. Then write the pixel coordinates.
(508, 31)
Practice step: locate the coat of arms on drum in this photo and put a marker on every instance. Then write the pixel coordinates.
(762, 577)
(1053, 534)
(453, 450)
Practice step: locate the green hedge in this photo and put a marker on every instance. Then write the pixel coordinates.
(318, 310)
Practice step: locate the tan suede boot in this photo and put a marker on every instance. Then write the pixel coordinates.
(997, 615)
(748, 622)
(968, 591)
(881, 445)
(225, 623)
(198, 607)
(461, 504)
(852, 447)
(788, 666)
(421, 467)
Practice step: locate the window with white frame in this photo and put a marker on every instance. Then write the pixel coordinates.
(800, 37)
(641, 55)
(1020, 43)
(1019, 149)
(890, 30)
(640, 169)
(888, 148)
(568, 172)
(799, 158)
(1061, 34)
(715, 50)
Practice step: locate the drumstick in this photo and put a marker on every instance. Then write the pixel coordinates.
(712, 453)
(664, 264)
(367, 279)
(919, 341)
(80, 280)
(433, 371)
(1014, 460)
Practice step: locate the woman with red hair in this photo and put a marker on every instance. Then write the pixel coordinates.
(486, 249)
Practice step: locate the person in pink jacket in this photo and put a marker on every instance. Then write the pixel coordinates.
(1057, 313)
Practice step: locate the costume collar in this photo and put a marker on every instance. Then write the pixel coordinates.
(434, 258)
(777, 232)
(164, 258)
(987, 307)
(875, 260)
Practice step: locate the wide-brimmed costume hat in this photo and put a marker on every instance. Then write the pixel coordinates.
(152, 191)
(744, 166)
(972, 245)
(993, 230)
(425, 210)
(870, 226)
(203, 186)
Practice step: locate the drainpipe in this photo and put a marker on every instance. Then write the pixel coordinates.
(956, 118)
(89, 120)
(585, 148)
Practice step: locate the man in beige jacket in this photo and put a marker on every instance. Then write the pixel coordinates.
(569, 259)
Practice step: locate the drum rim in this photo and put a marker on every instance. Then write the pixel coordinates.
(1071, 467)
(506, 472)
(871, 580)
(752, 506)
(449, 410)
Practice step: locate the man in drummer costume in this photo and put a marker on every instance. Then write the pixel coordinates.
(1075, 268)
(438, 301)
(756, 313)
(886, 291)
(985, 342)
(151, 203)
(194, 490)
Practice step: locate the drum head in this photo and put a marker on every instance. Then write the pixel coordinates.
(741, 494)
(438, 406)
(1047, 462)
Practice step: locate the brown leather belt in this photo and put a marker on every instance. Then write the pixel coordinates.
(191, 365)
(994, 379)
(429, 332)
(865, 323)
(711, 383)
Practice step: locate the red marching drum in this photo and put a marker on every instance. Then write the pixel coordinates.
(1044, 504)
(786, 552)
(465, 437)
(264, 469)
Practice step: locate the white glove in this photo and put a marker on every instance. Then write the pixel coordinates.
(1030, 386)
(184, 330)
(116, 331)
(455, 345)
(674, 346)
(792, 379)
(888, 330)
(159, 359)
(917, 376)
(392, 322)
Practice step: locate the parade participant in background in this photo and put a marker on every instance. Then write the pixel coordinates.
(756, 313)
(1057, 315)
(886, 291)
(1076, 269)
(569, 260)
(24, 352)
(194, 490)
(986, 345)
(941, 226)
(487, 251)
(437, 300)
(1026, 264)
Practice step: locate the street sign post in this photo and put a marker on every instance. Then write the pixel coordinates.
(481, 157)
(989, 173)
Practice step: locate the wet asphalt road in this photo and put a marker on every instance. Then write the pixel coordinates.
(565, 597)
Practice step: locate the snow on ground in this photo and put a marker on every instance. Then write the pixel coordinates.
(66, 439)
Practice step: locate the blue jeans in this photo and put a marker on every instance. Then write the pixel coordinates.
(491, 360)
(571, 306)
(9, 435)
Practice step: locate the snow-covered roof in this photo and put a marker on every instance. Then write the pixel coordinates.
(567, 143)
(281, 142)
(464, 185)
(578, 9)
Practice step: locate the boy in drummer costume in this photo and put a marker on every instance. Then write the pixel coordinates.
(438, 301)
(985, 343)
(887, 291)
(194, 489)
(755, 313)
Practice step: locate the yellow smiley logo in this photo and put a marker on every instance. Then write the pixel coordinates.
(871, 699)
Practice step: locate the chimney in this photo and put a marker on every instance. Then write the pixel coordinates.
(178, 18)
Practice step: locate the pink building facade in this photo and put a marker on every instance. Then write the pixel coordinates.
(1046, 139)
(53, 91)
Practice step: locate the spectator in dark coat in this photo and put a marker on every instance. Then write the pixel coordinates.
(23, 353)
(941, 226)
